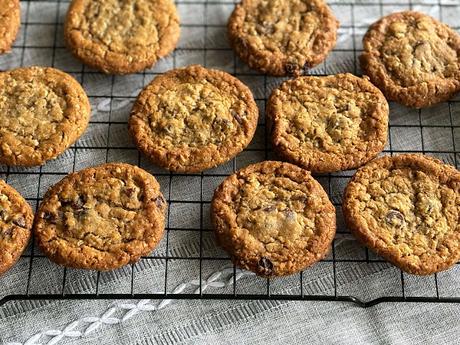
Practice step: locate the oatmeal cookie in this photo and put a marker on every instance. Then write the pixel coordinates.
(191, 119)
(326, 124)
(406, 208)
(16, 219)
(101, 218)
(121, 36)
(273, 218)
(42, 112)
(412, 58)
(10, 20)
(282, 37)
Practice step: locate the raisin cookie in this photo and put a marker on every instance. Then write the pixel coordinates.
(10, 20)
(42, 112)
(273, 218)
(412, 58)
(406, 208)
(121, 37)
(326, 124)
(16, 219)
(101, 218)
(191, 119)
(282, 37)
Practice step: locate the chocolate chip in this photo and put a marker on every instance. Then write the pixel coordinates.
(50, 217)
(395, 218)
(8, 232)
(159, 201)
(291, 68)
(237, 117)
(81, 213)
(75, 204)
(290, 215)
(2, 214)
(300, 198)
(129, 192)
(270, 208)
(266, 28)
(20, 221)
(265, 265)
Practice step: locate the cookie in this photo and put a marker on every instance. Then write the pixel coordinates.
(282, 37)
(120, 37)
(42, 112)
(412, 58)
(16, 219)
(406, 208)
(273, 218)
(326, 124)
(10, 20)
(101, 218)
(191, 119)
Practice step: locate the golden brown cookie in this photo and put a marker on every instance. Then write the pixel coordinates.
(121, 37)
(10, 20)
(406, 208)
(273, 218)
(42, 112)
(282, 37)
(326, 124)
(191, 119)
(101, 218)
(412, 58)
(16, 219)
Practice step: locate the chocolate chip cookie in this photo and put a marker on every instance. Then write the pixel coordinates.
(413, 59)
(326, 124)
(16, 219)
(101, 218)
(282, 37)
(121, 36)
(191, 119)
(42, 112)
(273, 218)
(10, 20)
(406, 208)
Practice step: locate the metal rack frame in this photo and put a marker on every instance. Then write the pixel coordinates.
(41, 173)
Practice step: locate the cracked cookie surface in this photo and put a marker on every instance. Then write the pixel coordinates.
(101, 218)
(16, 219)
(326, 124)
(121, 36)
(406, 208)
(10, 20)
(282, 37)
(412, 58)
(273, 218)
(191, 119)
(42, 112)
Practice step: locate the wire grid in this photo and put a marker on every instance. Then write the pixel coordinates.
(188, 251)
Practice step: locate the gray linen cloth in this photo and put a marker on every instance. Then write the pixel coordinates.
(40, 42)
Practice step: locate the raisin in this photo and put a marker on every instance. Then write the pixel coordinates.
(265, 265)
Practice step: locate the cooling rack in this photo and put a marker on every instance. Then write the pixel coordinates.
(188, 264)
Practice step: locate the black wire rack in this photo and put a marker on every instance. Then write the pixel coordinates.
(188, 251)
